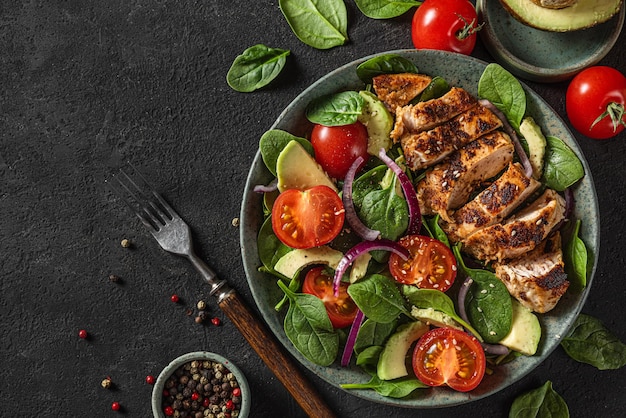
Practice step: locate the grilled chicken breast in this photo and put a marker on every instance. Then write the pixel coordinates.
(426, 115)
(537, 279)
(448, 185)
(397, 90)
(519, 234)
(493, 204)
(427, 148)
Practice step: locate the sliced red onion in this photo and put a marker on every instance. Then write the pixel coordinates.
(415, 216)
(364, 247)
(354, 331)
(260, 188)
(351, 216)
(497, 349)
(528, 168)
(570, 202)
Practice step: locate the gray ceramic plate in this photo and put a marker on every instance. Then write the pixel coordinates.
(543, 56)
(460, 71)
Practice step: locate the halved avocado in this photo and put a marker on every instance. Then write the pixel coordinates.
(583, 14)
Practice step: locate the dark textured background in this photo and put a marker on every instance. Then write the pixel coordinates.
(86, 85)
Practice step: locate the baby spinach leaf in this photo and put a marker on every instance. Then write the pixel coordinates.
(270, 248)
(437, 88)
(378, 298)
(384, 64)
(385, 211)
(576, 258)
(274, 141)
(385, 9)
(366, 183)
(591, 342)
(373, 333)
(540, 402)
(502, 89)
(322, 24)
(256, 67)
(368, 358)
(397, 388)
(336, 109)
(435, 230)
(562, 168)
(309, 329)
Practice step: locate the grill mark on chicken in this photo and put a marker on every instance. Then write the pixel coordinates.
(397, 90)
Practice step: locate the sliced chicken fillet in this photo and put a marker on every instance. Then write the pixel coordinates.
(397, 90)
(537, 279)
(448, 185)
(427, 148)
(493, 204)
(519, 234)
(426, 115)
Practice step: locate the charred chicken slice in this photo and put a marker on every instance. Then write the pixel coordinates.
(397, 90)
(519, 234)
(537, 279)
(427, 148)
(426, 115)
(448, 185)
(493, 204)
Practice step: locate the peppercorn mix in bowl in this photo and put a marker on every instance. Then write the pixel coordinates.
(201, 384)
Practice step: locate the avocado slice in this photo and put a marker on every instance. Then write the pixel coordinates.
(291, 263)
(536, 144)
(392, 360)
(583, 14)
(296, 169)
(378, 122)
(435, 318)
(525, 331)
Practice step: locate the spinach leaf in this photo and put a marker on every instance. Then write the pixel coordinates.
(378, 298)
(437, 88)
(308, 327)
(591, 342)
(397, 388)
(435, 230)
(322, 24)
(270, 248)
(502, 89)
(385, 9)
(368, 358)
(437, 300)
(540, 402)
(256, 67)
(576, 258)
(373, 333)
(488, 302)
(386, 211)
(384, 64)
(274, 141)
(336, 109)
(562, 168)
(366, 183)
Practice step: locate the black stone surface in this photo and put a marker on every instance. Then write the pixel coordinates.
(86, 85)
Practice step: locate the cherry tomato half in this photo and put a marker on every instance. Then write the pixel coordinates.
(447, 25)
(341, 309)
(447, 356)
(307, 218)
(336, 147)
(590, 95)
(431, 264)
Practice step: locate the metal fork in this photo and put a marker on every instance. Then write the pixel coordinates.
(174, 235)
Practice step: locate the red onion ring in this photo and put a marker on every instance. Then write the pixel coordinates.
(272, 187)
(354, 331)
(351, 216)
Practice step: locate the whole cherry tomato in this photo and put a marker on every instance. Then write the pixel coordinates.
(447, 25)
(336, 147)
(341, 309)
(595, 101)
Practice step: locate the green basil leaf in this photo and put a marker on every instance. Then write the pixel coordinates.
(384, 64)
(503, 90)
(274, 141)
(397, 388)
(385, 9)
(322, 24)
(591, 342)
(540, 402)
(378, 298)
(576, 260)
(562, 168)
(256, 68)
(336, 109)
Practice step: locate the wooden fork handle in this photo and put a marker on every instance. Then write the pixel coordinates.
(274, 355)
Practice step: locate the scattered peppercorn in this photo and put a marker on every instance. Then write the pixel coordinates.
(169, 411)
(125, 243)
(116, 406)
(235, 222)
(150, 379)
(113, 278)
(174, 298)
(199, 319)
(236, 392)
(106, 382)
(83, 334)
(201, 305)
(189, 312)
(216, 321)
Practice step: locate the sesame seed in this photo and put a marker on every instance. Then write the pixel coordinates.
(492, 333)
(483, 291)
(491, 285)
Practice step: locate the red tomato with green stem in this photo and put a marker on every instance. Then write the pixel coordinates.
(341, 309)
(446, 25)
(448, 356)
(307, 218)
(337, 147)
(595, 102)
(431, 264)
